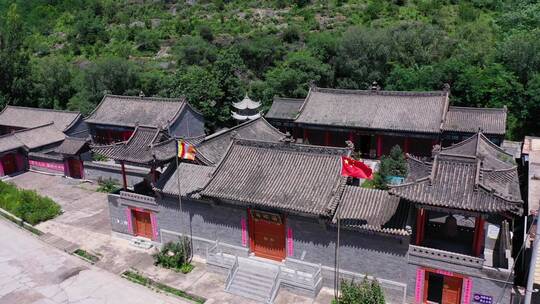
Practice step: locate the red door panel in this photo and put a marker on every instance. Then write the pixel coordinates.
(267, 233)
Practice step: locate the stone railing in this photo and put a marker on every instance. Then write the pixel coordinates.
(445, 256)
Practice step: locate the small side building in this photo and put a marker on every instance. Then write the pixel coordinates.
(116, 117)
(13, 118)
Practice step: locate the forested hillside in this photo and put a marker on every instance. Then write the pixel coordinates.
(68, 53)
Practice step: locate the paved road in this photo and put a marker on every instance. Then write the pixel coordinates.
(33, 272)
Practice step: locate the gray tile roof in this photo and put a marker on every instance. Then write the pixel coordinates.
(9, 142)
(470, 120)
(213, 147)
(372, 209)
(284, 108)
(512, 148)
(71, 146)
(286, 176)
(22, 117)
(473, 175)
(133, 110)
(31, 138)
(139, 148)
(372, 109)
(192, 179)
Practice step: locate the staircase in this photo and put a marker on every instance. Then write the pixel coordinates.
(253, 279)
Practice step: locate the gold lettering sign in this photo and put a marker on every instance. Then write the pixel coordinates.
(266, 216)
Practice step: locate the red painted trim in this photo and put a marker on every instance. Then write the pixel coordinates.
(327, 138)
(379, 145)
(406, 145)
(124, 178)
(479, 236)
(420, 225)
(305, 132)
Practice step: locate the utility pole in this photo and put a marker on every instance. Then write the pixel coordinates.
(532, 264)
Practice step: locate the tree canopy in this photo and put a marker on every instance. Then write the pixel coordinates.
(68, 53)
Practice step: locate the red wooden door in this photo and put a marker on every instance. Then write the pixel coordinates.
(74, 168)
(452, 290)
(9, 163)
(143, 224)
(267, 234)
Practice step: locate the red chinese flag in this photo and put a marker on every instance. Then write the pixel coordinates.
(354, 168)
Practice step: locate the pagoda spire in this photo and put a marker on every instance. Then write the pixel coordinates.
(246, 109)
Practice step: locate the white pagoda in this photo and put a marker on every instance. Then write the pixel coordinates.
(246, 109)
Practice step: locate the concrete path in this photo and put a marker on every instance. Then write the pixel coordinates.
(86, 223)
(33, 272)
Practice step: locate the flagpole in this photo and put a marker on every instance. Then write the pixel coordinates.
(178, 143)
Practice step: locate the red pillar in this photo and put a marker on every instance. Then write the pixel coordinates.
(406, 145)
(478, 236)
(327, 138)
(124, 179)
(420, 225)
(379, 145)
(305, 135)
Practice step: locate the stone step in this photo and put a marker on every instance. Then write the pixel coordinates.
(254, 281)
(255, 276)
(252, 286)
(247, 294)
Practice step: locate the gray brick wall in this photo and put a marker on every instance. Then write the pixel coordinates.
(203, 220)
(94, 172)
(117, 212)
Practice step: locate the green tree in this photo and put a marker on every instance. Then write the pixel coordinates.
(52, 80)
(292, 77)
(363, 57)
(108, 75)
(14, 61)
(201, 89)
(365, 292)
(520, 52)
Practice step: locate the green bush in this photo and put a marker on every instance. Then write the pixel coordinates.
(365, 292)
(393, 164)
(27, 204)
(107, 185)
(175, 255)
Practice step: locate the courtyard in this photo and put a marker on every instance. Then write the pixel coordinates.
(85, 222)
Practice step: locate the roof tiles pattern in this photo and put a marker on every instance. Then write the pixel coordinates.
(132, 111)
(382, 110)
(464, 119)
(472, 175)
(284, 108)
(287, 176)
(22, 117)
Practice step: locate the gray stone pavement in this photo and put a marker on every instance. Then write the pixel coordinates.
(86, 223)
(33, 272)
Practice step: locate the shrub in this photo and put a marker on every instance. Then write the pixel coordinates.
(393, 164)
(175, 255)
(27, 205)
(107, 185)
(365, 292)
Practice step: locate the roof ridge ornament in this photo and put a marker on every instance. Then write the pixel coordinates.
(287, 138)
(141, 94)
(375, 86)
(446, 87)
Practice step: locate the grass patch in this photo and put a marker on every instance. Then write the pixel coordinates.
(85, 254)
(107, 186)
(136, 277)
(27, 204)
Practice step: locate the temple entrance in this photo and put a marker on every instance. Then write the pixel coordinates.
(267, 234)
(9, 163)
(142, 223)
(442, 289)
(74, 166)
